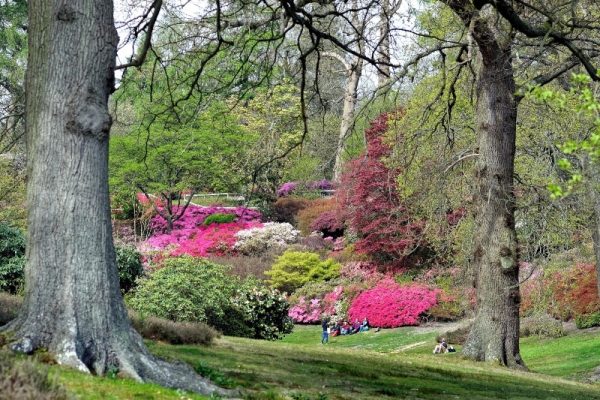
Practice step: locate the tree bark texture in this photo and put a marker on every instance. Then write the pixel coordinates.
(495, 332)
(594, 196)
(350, 96)
(73, 306)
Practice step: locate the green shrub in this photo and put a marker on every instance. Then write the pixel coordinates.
(218, 218)
(12, 261)
(9, 307)
(265, 310)
(197, 290)
(293, 269)
(130, 267)
(24, 379)
(587, 320)
(172, 332)
(186, 289)
(542, 325)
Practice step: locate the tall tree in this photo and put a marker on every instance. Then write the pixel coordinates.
(73, 306)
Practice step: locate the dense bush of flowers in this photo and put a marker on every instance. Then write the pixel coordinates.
(564, 294)
(190, 236)
(307, 310)
(194, 216)
(389, 305)
(255, 241)
(289, 188)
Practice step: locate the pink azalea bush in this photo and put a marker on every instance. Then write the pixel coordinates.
(189, 235)
(311, 311)
(389, 305)
(194, 216)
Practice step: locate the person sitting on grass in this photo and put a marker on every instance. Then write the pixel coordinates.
(345, 330)
(356, 326)
(335, 331)
(441, 347)
(365, 325)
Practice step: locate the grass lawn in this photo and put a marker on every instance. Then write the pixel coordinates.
(390, 364)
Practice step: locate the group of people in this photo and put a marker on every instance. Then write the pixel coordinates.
(344, 328)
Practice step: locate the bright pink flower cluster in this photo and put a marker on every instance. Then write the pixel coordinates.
(307, 312)
(389, 305)
(189, 236)
(194, 216)
(362, 270)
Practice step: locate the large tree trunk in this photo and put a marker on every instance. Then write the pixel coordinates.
(495, 333)
(350, 95)
(73, 306)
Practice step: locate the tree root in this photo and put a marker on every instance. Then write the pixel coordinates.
(129, 357)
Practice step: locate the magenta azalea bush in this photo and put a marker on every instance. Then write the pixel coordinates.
(194, 216)
(191, 237)
(389, 305)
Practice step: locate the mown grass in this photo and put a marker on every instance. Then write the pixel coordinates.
(389, 364)
(87, 387)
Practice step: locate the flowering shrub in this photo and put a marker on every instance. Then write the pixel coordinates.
(315, 299)
(371, 205)
(564, 294)
(289, 188)
(389, 305)
(255, 241)
(192, 237)
(196, 290)
(265, 310)
(295, 268)
(313, 210)
(194, 216)
(328, 224)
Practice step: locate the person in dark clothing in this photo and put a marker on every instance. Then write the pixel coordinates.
(325, 326)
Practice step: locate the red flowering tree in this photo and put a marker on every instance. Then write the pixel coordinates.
(371, 206)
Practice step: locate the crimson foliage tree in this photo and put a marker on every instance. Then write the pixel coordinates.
(372, 207)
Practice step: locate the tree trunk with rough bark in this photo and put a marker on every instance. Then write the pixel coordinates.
(73, 306)
(594, 195)
(495, 333)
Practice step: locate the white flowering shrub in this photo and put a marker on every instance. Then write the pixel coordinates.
(271, 235)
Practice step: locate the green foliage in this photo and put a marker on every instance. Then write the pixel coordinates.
(130, 267)
(197, 290)
(265, 310)
(185, 289)
(218, 218)
(12, 260)
(170, 158)
(293, 269)
(587, 107)
(587, 320)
